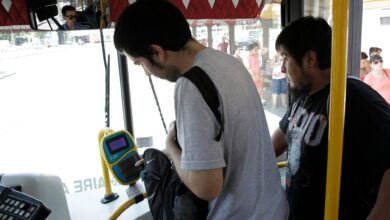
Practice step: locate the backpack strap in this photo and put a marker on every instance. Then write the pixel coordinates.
(210, 94)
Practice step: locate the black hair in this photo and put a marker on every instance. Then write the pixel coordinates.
(148, 22)
(304, 34)
(67, 8)
(252, 45)
(371, 50)
(363, 56)
(374, 50)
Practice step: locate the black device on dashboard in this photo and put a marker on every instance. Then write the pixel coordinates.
(16, 205)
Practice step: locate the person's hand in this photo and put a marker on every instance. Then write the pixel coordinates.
(139, 163)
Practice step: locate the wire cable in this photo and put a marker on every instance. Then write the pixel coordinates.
(157, 103)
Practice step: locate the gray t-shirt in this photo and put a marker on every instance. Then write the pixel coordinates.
(252, 186)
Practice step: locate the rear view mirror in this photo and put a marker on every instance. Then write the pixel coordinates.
(40, 11)
(47, 14)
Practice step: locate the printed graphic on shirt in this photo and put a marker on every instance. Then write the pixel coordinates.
(305, 130)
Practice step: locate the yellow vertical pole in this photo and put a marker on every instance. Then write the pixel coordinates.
(106, 174)
(102, 13)
(106, 177)
(337, 108)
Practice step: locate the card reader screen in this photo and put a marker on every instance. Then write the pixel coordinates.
(117, 145)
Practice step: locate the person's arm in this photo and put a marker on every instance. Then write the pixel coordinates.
(206, 184)
(279, 141)
(381, 210)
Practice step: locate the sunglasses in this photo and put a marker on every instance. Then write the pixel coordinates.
(71, 16)
(378, 61)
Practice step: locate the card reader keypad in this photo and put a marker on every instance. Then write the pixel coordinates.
(13, 208)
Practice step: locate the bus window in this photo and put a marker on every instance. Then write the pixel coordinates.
(321, 9)
(52, 85)
(376, 17)
(52, 97)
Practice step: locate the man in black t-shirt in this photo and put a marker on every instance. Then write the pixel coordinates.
(305, 46)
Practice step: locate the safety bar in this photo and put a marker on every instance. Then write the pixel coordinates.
(282, 164)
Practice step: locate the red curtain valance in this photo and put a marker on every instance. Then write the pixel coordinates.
(13, 12)
(205, 9)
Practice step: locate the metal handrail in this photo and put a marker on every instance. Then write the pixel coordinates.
(282, 164)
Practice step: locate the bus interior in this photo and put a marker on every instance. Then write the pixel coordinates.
(54, 85)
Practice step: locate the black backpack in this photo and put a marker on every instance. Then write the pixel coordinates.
(168, 197)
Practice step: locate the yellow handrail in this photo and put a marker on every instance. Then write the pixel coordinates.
(282, 164)
(125, 206)
(337, 108)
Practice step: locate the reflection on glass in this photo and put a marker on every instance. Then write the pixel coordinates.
(68, 15)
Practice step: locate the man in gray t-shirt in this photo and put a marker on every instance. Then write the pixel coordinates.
(237, 174)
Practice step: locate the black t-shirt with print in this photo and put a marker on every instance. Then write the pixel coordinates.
(366, 152)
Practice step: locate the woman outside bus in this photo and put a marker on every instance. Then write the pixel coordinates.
(379, 78)
(254, 66)
(279, 82)
(365, 67)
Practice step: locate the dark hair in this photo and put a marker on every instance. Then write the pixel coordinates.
(374, 50)
(67, 8)
(304, 34)
(150, 22)
(363, 56)
(371, 50)
(252, 46)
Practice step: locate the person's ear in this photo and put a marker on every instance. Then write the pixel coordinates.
(311, 58)
(157, 52)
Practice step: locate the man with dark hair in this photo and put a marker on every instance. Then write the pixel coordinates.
(238, 173)
(70, 16)
(305, 46)
(375, 51)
